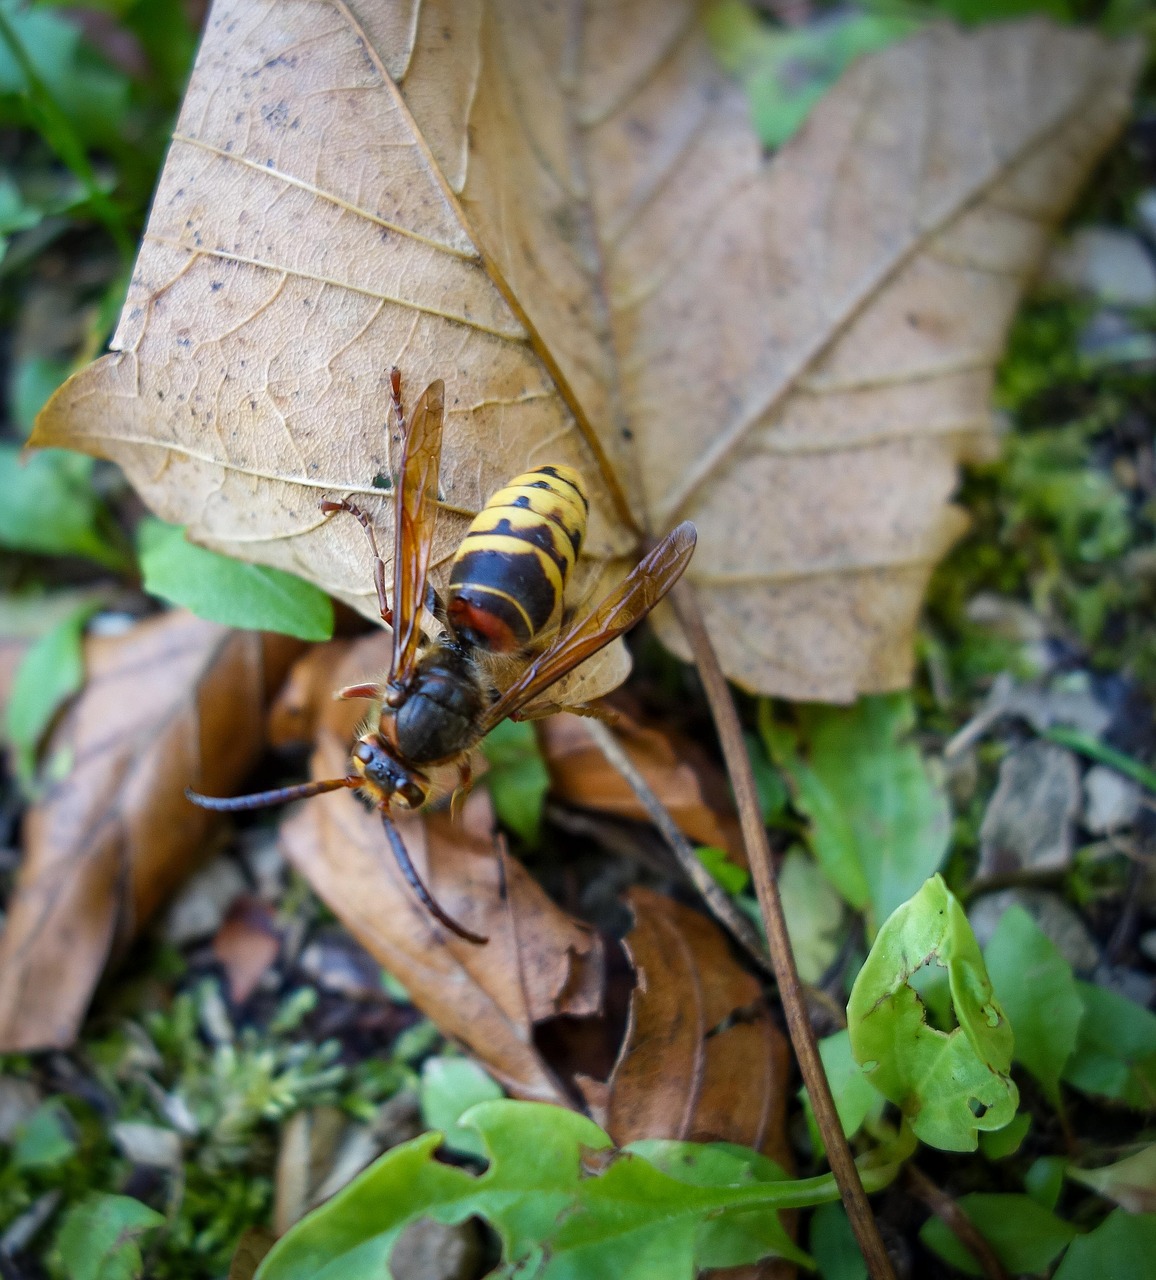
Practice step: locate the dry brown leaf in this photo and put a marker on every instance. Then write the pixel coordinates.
(565, 214)
(175, 702)
(701, 1060)
(247, 946)
(538, 964)
(678, 771)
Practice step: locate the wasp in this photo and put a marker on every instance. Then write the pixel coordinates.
(504, 610)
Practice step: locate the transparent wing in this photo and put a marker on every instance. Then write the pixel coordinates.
(625, 606)
(415, 513)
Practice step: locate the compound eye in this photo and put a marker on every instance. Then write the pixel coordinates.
(412, 794)
(363, 752)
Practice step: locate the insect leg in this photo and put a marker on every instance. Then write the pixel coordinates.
(358, 691)
(462, 790)
(401, 854)
(327, 505)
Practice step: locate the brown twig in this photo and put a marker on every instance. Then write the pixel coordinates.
(715, 897)
(787, 975)
(961, 1226)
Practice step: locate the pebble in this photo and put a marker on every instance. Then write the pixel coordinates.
(1111, 801)
(1110, 338)
(1030, 820)
(1106, 262)
(1056, 920)
(200, 908)
(148, 1144)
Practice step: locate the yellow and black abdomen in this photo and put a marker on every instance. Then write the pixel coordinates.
(509, 574)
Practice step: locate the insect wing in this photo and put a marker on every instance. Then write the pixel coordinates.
(416, 512)
(625, 606)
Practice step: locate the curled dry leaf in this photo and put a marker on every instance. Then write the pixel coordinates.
(701, 1060)
(564, 214)
(678, 772)
(175, 702)
(539, 963)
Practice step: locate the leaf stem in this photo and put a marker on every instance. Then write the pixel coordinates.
(738, 764)
(715, 897)
(1094, 749)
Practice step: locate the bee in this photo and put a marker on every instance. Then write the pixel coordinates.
(504, 599)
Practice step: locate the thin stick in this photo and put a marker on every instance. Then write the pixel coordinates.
(716, 898)
(738, 764)
(961, 1226)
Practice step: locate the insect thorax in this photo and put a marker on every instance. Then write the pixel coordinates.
(439, 716)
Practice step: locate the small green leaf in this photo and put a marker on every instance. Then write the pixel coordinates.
(51, 508)
(1025, 1236)
(1115, 1053)
(951, 1084)
(517, 778)
(49, 674)
(449, 1088)
(1122, 1247)
(833, 1244)
(1131, 1182)
(723, 871)
(1037, 989)
(561, 1211)
(1045, 1180)
(856, 1098)
(879, 823)
(229, 591)
(98, 1238)
(45, 1140)
(998, 1144)
(814, 914)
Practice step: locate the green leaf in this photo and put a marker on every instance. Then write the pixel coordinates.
(1131, 1182)
(1122, 1247)
(1037, 989)
(49, 674)
(723, 871)
(98, 1238)
(1115, 1053)
(814, 914)
(45, 1140)
(33, 381)
(879, 824)
(951, 1084)
(1045, 1180)
(998, 1144)
(229, 591)
(856, 1098)
(786, 71)
(833, 1244)
(561, 1210)
(517, 777)
(1025, 1236)
(449, 1088)
(50, 507)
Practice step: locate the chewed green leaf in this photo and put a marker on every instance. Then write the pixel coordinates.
(1037, 989)
(558, 1207)
(98, 1238)
(230, 591)
(517, 777)
(950, 1085)
(49, 674)
(880, 823)
(449, 1088)
(1026, 1238)
(51, 508)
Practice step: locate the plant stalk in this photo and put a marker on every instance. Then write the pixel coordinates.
(716, 898)
(962, 1227)
(738, 764)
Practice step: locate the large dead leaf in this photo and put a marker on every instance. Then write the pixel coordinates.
(564, 213)
(175, 702)
(538, 964)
